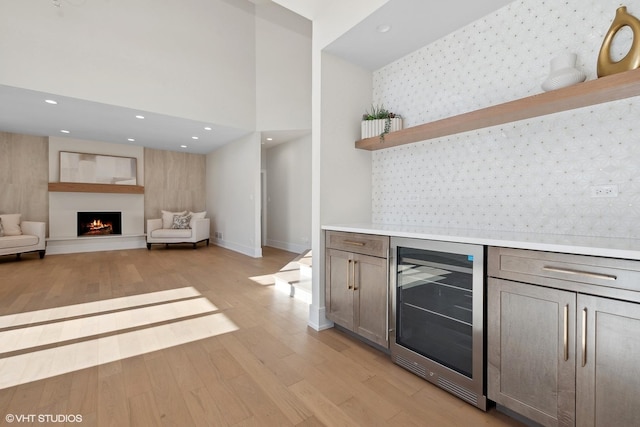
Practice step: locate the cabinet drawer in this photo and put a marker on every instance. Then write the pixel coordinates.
(616, 278)
(366, 244)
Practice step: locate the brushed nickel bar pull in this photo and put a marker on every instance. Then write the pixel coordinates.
(355, 288)
(581, 273)
(584, 337)
(566, 332)
(352, 243)
(349, 275)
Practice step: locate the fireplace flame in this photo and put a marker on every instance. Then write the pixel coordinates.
(98, 225)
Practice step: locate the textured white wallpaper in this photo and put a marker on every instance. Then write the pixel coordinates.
(533, 175)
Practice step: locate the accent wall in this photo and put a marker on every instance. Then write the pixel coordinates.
(533, 175)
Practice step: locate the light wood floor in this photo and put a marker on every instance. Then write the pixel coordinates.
(183, 337)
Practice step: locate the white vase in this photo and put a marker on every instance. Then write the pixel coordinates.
(371, 128)
(563, 72)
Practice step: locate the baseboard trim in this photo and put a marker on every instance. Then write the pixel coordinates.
(287, 246)
(245, 250)
(317, 319)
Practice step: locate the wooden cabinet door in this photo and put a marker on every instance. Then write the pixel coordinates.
(371, 298)
(608, 374)
(339, 287)
(531, 351)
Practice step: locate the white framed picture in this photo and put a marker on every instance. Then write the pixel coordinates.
(97, 168)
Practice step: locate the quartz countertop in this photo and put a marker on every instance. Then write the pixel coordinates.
(582, 245)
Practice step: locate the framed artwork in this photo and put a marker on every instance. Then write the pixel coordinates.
(97, 168)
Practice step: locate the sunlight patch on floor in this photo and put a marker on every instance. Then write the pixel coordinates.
(93, 307)
(44, 363)
(265, 280)
(67, 330)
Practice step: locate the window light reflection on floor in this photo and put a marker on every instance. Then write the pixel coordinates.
(93, 307)
(44, 363)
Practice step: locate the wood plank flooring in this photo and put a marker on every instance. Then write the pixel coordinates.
(183, 337)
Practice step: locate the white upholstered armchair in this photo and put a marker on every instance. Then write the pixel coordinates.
(178, 227)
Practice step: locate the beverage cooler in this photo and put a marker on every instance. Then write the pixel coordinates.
(437, 312)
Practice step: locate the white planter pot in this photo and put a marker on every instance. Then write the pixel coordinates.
(371, 128)
(563, 72)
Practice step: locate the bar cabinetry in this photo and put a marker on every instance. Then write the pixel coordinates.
(357, 283)
(563, 331)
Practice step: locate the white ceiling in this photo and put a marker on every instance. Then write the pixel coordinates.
(25, 111)
(414, 23)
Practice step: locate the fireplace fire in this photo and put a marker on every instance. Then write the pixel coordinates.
(99, 223)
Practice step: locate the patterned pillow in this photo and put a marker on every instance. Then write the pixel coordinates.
(181, 221)
(1, 229)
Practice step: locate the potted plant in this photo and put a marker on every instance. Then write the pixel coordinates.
(379, 121)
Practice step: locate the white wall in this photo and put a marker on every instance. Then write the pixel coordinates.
(345, 173)
(341, 175)
(533, 175)
(193, 59)
(283, 77)
(233, 195)
(331, 19)
(288, 167)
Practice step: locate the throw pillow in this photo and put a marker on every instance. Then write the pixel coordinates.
(181, 221)
(196, 215)
(1, 229)
(167, 218)
(11, 224)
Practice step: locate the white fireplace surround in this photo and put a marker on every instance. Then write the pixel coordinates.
(63, 206)
(63, 225)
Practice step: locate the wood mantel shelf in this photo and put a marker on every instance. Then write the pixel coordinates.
(605, 89)
(78, 187)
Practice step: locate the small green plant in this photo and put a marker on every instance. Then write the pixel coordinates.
(380, 113)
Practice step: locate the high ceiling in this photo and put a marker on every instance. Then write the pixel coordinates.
(410, 25)
(413, 24)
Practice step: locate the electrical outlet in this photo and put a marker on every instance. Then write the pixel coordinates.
(610, 190)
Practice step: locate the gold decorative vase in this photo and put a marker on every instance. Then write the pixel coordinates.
(631, 60)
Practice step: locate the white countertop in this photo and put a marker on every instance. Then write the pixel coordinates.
(582, 245)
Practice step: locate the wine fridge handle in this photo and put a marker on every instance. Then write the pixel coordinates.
(566, 332)
(584, 337)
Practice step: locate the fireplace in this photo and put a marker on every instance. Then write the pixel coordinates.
(99, 223)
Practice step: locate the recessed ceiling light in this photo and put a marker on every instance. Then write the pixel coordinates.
(384, 28)
(207, 128)
(194, 137)
(50, 101)
(139, 117)
(65, 131)
(131, 139)
(183, 146)
(269, 139)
